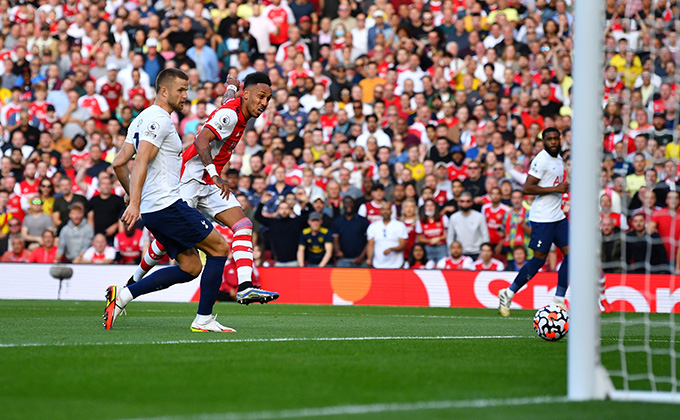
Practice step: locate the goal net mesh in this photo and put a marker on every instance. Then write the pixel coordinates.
(638, 197)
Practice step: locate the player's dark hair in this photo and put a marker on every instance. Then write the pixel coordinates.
(256, 78)
(550, 130)
(232, 172)
(166, 76)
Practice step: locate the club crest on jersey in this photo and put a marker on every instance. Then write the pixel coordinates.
(152, 129)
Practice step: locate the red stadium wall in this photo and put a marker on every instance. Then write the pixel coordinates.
(342, 286)
(468, 289)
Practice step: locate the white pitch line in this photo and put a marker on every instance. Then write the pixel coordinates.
(347, 410)
(271, 340)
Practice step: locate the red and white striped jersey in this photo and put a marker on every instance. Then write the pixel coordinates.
(228, 124)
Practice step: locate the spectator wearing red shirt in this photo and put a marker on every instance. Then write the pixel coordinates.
(95, 104)
(128, 244)
(99, 252)
(458, 169)
(13, 205)
(666, 222)
(29, 185)
(612, 84)
(18, 254)
(418, 259)
(38, 108)
(456, 261)
(47, 252)
(282, 17)
(533, 116)
(486, 262)
(494, 212)
(431, 231)
(109, 87)
(371, 209)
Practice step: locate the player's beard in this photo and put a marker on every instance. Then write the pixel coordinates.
(178, 105)
(551, 153)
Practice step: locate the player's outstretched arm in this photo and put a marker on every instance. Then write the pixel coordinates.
(232, 87)
(531, 187)
(120, 165)
(145, 154)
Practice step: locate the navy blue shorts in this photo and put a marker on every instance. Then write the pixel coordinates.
(178, 227)
(544, 234)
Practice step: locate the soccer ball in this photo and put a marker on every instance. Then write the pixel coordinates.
(551, 322)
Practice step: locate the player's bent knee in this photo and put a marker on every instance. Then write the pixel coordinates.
(541, 255)
(215, 245)
(191, 266)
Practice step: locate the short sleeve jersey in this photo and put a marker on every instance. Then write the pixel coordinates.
(315, 245)
(228, 124)
(161, 187)
(550, 172)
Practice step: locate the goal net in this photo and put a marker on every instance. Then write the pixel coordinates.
(626, 224)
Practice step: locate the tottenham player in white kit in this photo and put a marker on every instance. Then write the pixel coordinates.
(202, 188)
(153, 188)
(548, 222)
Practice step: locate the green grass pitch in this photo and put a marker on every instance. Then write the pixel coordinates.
(289, 361)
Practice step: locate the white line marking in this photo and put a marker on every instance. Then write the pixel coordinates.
(346, 410)
(271, 340)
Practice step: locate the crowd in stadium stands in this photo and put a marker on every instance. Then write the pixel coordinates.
(400, 133)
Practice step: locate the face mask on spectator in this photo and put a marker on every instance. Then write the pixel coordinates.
(349, 166)
(429, 213)
(318, 171)
(339, 32)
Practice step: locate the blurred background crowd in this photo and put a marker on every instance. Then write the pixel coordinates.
(399, 133)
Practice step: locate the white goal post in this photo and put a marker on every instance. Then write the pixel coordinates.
(587, 378)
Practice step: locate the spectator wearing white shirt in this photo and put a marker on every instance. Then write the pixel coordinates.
(468, 227)
(494, 37)
(372, 130)
(413, 73)
(316, 99)
(118, 31)
(99, 252)
(386, 241)
(260, 28)
(360, 35)
(125, 75)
